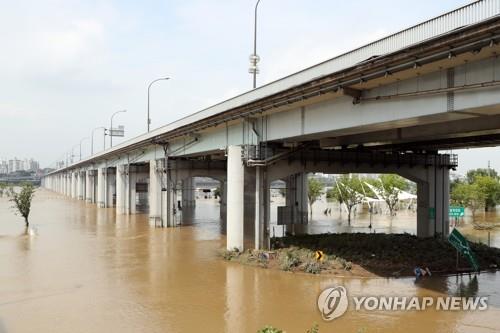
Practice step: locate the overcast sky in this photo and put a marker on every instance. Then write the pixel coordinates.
(67, 65)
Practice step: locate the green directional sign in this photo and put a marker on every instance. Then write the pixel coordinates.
(462, 245)
(456, 211)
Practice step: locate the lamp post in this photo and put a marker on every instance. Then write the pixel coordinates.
(72, 153)
(103, 136)
(254, 58)
(85, 138)
(111, 127)
(149, 88)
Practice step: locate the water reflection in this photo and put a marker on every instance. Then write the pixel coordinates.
(89, 270)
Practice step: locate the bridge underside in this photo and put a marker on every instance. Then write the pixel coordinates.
(387, 114)
(161, 186)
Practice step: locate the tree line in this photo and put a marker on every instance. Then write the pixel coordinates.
(479, 191)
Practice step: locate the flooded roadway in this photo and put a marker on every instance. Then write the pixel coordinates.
(84, 269)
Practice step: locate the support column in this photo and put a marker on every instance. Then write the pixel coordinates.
(296, 198)
(169, 202)
(154, 193)
(188, 196)
(132, 180)
(110, 187)
(73, 185)
(101, 187)
(433, 203)
(223, 200)
(126, 187)
(259, 208)
(235, 195)
(88, 187)
(120, 189)
(79, 186)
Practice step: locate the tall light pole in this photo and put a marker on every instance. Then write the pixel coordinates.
(72, 153)
(149, 88)
(111, 126)
(85, 138)
(103, 136)
(254, 58)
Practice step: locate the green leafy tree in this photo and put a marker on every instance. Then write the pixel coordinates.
(468, 195)
(314, 191)
(335, 195)
(472, 174)
(22, 201)
(390, 186)
(490, 187)
(348, 191)
(3, 189)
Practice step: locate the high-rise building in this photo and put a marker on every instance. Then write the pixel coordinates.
(15, 164)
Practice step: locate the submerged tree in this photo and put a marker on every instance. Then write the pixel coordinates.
(22, 201)
(490, 187)
(314, 191)
(347, 190)
(390, 186)
(468, 195)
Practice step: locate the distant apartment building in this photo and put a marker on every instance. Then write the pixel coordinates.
(4, 167)
(15, 164)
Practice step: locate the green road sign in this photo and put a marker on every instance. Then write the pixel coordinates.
(462, 245)
(456, 211)
(432, 213)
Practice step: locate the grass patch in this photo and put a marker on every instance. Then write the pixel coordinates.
(389, 255)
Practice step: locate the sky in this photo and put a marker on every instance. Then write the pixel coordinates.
(67, 65)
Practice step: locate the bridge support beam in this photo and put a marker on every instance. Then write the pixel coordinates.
(122, 189)
(73, 185)
(223, 200)
(235, 198)
(433, 192)
(82, 185)
(296, 198)
(155, 193)
(110, 187)
(89, 189)
(101, 188)
(168, 200)
(188, 195)
(68, 185)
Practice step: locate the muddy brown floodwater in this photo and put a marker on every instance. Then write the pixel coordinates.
(82, 269)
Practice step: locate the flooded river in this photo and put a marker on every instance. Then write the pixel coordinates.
(83, 269)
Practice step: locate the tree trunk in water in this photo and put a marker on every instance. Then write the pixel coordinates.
(26, 222)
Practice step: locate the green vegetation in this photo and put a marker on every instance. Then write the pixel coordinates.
(389, 187)
(3, 189)
(290, 259)
(480, 190)
(22, 201)
(347, 190)
(315, 189)
(385, 255)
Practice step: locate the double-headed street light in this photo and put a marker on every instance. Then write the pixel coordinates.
(111, 126)
(103, 136)
(149, 88)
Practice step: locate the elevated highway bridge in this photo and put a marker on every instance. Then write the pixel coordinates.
(388, 107)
